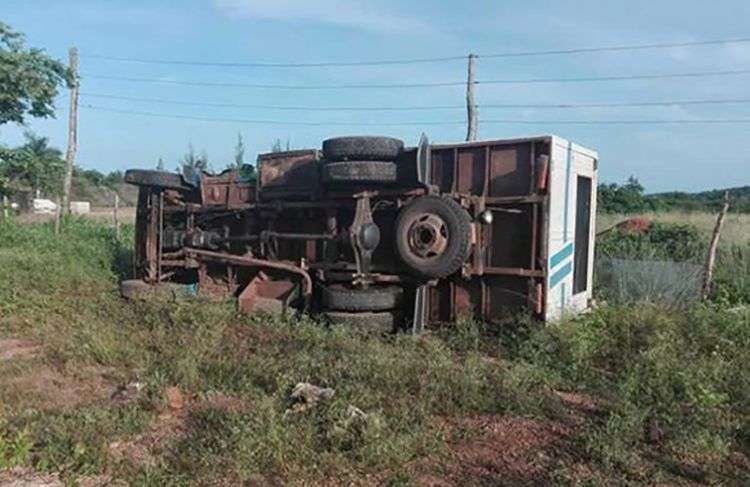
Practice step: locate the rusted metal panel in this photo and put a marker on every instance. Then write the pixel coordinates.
(471, 171)
(227, 189)
(292, 172)
(510, 170)
(267, 296)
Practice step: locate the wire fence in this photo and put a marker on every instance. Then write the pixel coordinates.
(627, 281)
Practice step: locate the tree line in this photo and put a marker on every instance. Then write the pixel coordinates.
(630, 198)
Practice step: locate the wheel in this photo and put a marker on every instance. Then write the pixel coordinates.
(360, 172)
(382, 322)
(362, 148)
(433, 236)
(342, 297)
(162, 179)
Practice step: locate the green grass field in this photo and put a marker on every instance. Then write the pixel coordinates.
(186, 392)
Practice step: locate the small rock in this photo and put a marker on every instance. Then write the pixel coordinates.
(305, 395)
(128, 392)
(355, 413)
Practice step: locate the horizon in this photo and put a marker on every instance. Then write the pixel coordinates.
(664, 156)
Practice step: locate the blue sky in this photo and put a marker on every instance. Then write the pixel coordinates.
(664, 157)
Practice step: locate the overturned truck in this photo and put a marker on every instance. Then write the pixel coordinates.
(371, 233)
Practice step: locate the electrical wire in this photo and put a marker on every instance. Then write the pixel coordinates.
(418, 123)
(426, 84)
(421, 108)
(258, 64)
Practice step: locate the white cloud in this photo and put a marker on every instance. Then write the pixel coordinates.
(375, 16)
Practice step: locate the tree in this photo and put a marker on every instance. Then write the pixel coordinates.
(276, 147)
(29, 79)
(193, 161)
(626, 198)
(239, 152)
(44, 163)
(33, 167)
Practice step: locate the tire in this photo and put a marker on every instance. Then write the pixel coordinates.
(162, 179)
(341, 297)
(382, 322)
(362, 148)
(360, 172)
(433, 236)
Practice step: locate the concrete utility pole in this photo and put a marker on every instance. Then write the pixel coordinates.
(471, 108)
(70, 155)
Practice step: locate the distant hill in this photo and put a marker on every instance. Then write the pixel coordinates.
(702, 201)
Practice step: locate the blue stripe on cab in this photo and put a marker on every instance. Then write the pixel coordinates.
(560, 274)
(563, 254)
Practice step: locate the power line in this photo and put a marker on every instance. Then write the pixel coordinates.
(258, 64)
(422, 122)
(267, 122)
(617, 48)
(699, 74)
(422, 108)
(426, 84)
(276, 86)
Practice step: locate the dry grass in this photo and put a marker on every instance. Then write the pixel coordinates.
(736, 226)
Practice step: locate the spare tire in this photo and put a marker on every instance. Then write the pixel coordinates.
(433, 236)
(362, 148)
(161, 179)
(382, 322)
(360, 172)
(342, 297)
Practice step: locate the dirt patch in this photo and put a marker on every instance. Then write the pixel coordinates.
(143, 449)
(503, 450)
(25, 477)
(13, 348)
(47, 388)
(170, 425)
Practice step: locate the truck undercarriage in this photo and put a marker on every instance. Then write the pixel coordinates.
(365, 231)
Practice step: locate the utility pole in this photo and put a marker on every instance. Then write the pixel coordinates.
(70, 155)
(471, 108)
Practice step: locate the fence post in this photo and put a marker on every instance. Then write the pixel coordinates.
(708, 272)
(58, 212)
(5, 207)
(117, 220)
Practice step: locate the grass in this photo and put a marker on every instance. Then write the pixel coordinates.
(670, 390)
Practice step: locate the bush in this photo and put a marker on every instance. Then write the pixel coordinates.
(661, 241)
(674, 381)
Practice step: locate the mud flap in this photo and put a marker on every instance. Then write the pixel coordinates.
(424, 169)
(263, 295)
(421, 309)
